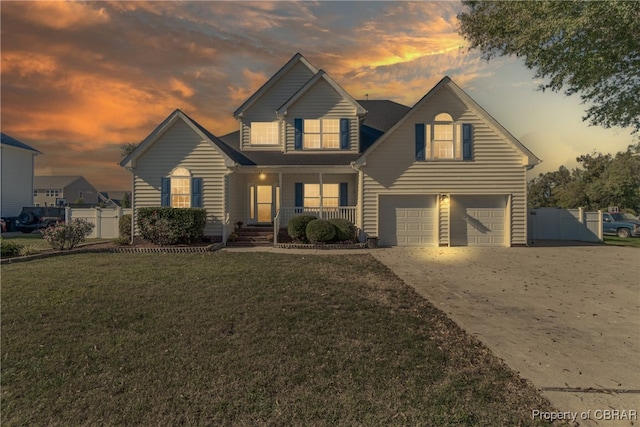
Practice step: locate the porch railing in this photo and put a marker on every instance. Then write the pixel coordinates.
(285, 214)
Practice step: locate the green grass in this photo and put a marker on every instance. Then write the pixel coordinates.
(240, 339)
(36, 240)
(633, 242)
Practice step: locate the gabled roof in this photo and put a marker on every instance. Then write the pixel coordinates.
(381, 116)
(321, 74)
(229, 153)
(532, 160)
(273, 80)
(8, 140)
(54, 182)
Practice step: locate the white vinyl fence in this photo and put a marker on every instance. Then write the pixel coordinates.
(106, 220)
(564, 224)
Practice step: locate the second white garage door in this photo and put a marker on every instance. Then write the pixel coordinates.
(478, 221)
(407, 221)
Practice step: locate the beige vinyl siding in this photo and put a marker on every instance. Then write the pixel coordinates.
(202, 159)
(263, 110)
(17, 180)
(497, 167)
(322, 102)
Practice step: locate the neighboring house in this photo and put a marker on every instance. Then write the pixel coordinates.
(112, 199)
(63, 190)
(441, 173)
(17, 175)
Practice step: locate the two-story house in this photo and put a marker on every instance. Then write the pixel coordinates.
(441, 173)
(17, 167)
(54, 190)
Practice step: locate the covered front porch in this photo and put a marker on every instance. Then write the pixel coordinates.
(272, 196)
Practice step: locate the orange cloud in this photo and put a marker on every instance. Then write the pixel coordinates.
(27, 63)
(252, 82)
(65, 14)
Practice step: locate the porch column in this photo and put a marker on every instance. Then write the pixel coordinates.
(321, 195)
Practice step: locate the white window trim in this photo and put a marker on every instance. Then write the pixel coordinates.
(456, 141)
(321, 197)
(257, 137)
(180, 174)
(321, 133)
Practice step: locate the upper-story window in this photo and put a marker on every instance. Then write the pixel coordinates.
(321, 134)
(264, 133)
(52, 193)
(444, 139)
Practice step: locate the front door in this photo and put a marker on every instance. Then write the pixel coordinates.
(264, 203)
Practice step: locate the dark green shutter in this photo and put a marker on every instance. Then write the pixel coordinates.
(344, 194)
(344, 134)
(420, 141)
(165, 192)
(298, 126)
(467, 141)
(196, 192)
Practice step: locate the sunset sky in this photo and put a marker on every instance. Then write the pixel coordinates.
(79, 79)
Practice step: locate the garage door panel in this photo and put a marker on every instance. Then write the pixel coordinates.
(407, 220)
(478, 221)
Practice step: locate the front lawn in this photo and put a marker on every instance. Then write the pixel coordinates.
(36, 240)
(240, 339)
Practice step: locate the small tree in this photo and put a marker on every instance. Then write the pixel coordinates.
(126, 201)
(66, 236)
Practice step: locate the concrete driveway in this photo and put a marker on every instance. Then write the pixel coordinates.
(566, 318)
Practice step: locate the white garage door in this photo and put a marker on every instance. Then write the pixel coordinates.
(407, 221)
(478, 221)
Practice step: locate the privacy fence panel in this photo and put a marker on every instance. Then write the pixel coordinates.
(106, 220)
(564, 224)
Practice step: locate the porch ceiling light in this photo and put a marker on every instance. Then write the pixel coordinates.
(262, 176)
(444, 198)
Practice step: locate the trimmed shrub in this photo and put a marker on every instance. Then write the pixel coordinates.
(9, 248)
(320, 231)
(124, 225)
(345, 230)
(297, 227)
(170, 226)
(66, 236)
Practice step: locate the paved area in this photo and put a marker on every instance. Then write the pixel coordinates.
(566, 318)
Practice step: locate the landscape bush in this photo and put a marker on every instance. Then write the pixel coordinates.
(297, 227)
(170, 226)
(9, 248)
(66, 236)
(320, 231)
(124, 225)
(345, 230)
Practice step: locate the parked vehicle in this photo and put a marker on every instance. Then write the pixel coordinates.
(35, 218)
(620, 224)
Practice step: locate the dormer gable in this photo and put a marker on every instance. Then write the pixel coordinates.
(321, 76)
(462, 134)
(280, 87)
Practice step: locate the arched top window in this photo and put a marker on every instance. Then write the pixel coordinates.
(180, 172)
(181, 188)
(443, 136)
(443, 117)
